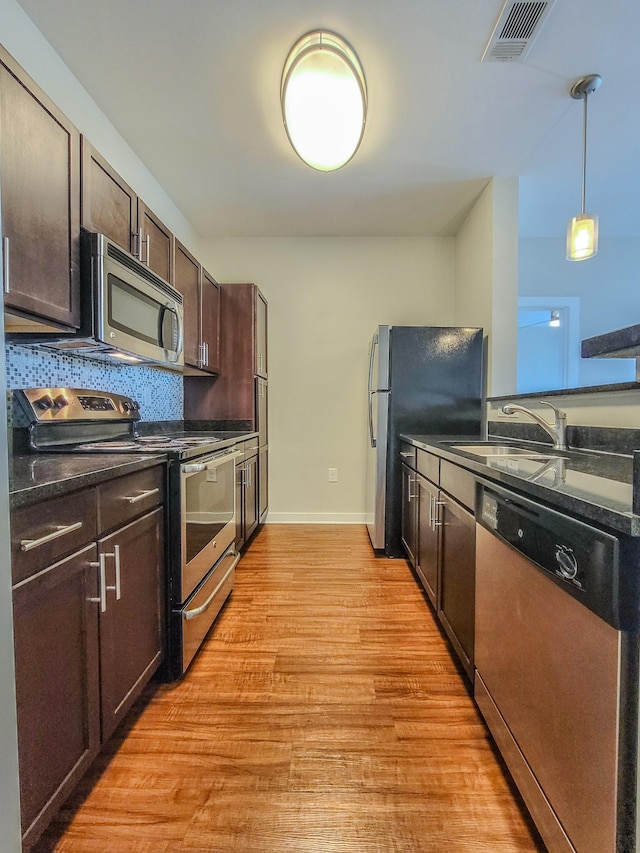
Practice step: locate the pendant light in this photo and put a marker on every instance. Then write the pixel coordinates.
(582, 231)
(323, 94)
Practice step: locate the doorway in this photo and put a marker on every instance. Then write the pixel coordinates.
(548, 343)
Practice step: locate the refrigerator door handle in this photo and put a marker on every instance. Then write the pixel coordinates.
(372, 357)
(374, 344)
(372, 437)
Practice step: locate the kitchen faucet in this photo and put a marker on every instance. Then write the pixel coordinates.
(557, 430)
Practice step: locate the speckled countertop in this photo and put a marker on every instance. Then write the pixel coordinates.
(34, 477)
(591, 485)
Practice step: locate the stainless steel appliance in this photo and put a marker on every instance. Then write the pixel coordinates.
(128, 313)
(200, 499)
(556, 653)
(422, 380)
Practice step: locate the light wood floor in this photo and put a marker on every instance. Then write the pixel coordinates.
(323, 715)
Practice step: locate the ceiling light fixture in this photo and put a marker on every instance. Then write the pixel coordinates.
(554, 319)
(323, 95)
(582, 231)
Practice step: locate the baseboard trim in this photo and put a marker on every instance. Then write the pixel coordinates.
(315, 518)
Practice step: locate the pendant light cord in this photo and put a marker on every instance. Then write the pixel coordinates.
(584, 153)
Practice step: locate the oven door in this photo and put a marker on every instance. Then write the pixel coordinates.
(208, 514)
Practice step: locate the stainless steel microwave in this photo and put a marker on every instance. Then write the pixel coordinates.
(128, 313)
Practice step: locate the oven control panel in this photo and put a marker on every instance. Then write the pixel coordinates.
(75, 404)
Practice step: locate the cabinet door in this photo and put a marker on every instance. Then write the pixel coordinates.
(240, 475)
(109, 205)
(187, 272)
(427, 549)
(250, 496)
(56, 656)
(210, 320)
(40, 185)
(156, 243)
(261, 334)
(458, 578)
(262, 410)
(263, 483)
(409, 513)
(130, 627)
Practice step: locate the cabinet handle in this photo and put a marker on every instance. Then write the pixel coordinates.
(30, 544)
(406, 455)
(135, 498)
(102, 583)
(437, 521)
(5, 264)
(147, 240)
(198, 611)
(248, 469)
(116, 557)
(206, 354)
(430, 510)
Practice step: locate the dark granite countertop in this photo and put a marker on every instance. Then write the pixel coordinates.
(620, 343)
(34, 477)
(591, 485)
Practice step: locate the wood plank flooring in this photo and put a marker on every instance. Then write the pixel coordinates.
(323, 715)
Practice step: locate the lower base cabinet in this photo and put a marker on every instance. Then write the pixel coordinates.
(57, 685)
(88, 629)
(438, 534)
(130, 637)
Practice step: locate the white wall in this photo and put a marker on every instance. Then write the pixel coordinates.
(486, 258)
(326, 296)
(606, 285)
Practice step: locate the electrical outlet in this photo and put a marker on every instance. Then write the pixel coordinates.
(333, 475)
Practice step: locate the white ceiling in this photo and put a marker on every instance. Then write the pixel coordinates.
(193, 86)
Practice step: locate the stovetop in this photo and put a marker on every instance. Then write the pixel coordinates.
(78, 420)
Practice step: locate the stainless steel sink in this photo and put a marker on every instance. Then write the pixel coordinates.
(502, 450)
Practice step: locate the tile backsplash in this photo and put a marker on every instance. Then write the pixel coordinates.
(159, 392)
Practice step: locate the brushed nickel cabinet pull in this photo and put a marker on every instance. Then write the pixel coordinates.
(30, 544)
(133, 499)
(102, 582)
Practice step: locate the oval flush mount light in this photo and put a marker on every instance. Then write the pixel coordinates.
(324, 100)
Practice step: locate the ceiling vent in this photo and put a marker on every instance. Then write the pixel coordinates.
(519, 23)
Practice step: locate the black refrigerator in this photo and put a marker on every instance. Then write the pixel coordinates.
(424, 380)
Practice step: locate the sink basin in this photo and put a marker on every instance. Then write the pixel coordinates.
(502, 450)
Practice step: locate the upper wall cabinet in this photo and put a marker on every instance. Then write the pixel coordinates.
(110, 206)
(201, 312)
(40, 194)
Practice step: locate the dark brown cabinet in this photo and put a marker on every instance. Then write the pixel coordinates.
(40, 188)
(130, 638)
(241, 390)
(201, 295)
(87, 628)
(57, 684)
(438, 534)
(247, 492)
(110, 206)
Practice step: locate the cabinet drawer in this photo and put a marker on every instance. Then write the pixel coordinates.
(428, 465)
(127, 497)
(459, 482)
(251, 447)
(43, 533)
(408, 454)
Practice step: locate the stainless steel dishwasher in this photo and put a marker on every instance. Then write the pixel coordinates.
(556, 655)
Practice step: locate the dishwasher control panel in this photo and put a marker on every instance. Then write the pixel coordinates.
(582, 559)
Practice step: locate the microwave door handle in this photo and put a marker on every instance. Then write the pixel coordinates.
(175, 356)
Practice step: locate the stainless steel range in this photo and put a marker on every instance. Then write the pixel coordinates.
(200, 499)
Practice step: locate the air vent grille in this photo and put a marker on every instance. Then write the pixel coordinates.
(519, 23)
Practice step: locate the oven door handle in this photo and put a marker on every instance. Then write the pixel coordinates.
(210, 462)
(198, 611)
